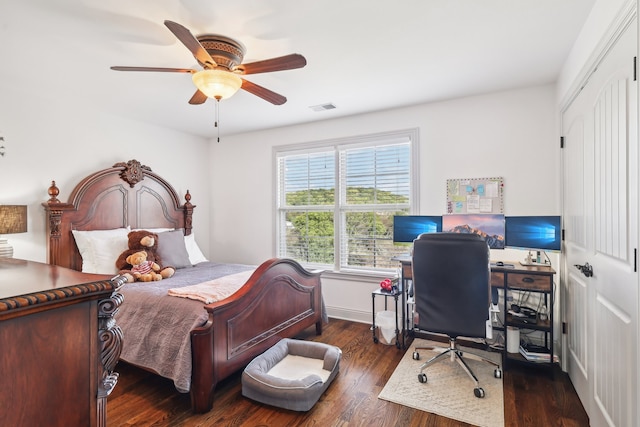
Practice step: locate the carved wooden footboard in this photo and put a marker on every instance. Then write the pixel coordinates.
(280, 299)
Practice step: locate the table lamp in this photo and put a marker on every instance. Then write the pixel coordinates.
(13, 219)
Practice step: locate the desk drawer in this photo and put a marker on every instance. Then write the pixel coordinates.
(407, 272)
(531, 282)
(497, 279)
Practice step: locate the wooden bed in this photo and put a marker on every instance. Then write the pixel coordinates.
(279, 300)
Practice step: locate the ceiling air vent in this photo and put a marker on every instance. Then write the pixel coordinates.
(323, 107)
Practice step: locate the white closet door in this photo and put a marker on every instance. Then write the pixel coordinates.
(600, 203)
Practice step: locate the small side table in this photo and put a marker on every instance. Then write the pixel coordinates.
(395, 294)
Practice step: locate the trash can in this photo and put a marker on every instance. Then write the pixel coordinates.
(386, 324)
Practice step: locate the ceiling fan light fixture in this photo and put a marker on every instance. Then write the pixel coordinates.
(218, 84)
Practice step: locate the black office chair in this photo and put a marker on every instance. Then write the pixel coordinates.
(451, 283)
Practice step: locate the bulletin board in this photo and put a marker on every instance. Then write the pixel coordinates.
(475, 195)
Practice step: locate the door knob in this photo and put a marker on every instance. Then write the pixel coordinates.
(586, 269)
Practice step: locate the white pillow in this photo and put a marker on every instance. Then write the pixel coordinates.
(101, 248)
(154, 230)
(195, 254)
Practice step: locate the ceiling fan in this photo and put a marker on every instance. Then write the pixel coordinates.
(221, 59)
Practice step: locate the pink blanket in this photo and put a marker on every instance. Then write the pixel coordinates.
(213, 290)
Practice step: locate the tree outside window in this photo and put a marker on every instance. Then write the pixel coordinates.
(336, 202)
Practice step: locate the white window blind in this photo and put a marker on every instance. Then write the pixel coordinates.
(375, 185)
(307, 200)
(336, 200)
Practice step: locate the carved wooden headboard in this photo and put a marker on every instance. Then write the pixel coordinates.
(126, 194)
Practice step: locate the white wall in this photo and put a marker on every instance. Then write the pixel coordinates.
(602, 20)
(509, 134)
(58, 138)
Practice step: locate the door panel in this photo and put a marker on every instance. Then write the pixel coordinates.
(576, 310)
(611, 199)
(612, 379)
(578, 134)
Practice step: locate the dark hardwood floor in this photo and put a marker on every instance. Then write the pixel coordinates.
(531, 397)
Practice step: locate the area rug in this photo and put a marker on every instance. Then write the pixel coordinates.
(449, 390)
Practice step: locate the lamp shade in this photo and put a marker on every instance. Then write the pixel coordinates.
(218, 84)
(13, 219)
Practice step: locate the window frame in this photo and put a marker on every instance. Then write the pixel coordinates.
(337, 145)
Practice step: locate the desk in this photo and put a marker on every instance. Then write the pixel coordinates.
(511, 277)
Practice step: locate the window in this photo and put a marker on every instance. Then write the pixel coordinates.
(336, 200)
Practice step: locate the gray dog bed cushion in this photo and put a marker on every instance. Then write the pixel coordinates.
(292, 374)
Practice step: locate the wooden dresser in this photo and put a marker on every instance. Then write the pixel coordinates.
(59, 344)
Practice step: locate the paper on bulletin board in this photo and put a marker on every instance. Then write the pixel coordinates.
(473, 203)
(476, 195)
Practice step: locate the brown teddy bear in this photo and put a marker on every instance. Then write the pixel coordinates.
(143, 240)
(142, 269)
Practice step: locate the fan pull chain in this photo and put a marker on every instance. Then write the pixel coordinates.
(217, 117)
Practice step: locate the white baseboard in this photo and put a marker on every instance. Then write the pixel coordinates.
(352, 315)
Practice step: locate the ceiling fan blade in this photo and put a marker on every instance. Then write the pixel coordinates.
(188, 39)
(167, 70)
(198, 98)
(287, 62)
(264, 93)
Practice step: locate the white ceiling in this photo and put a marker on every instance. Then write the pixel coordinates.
(362, 55)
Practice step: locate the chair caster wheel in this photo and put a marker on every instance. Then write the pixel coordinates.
(422, 378)
(416, 355)
(497, 373)
(479, 392)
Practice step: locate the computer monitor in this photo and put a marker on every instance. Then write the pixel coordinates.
(533, 232)
(407, 227)
(488, 226)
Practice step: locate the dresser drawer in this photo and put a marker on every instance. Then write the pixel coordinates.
(531, 282)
